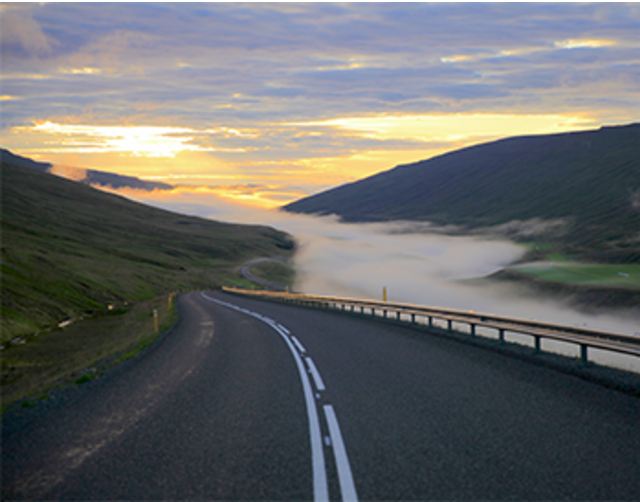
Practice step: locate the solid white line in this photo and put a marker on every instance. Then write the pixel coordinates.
(347, 487)
(315, 374)
(298, 344)
(320, 487)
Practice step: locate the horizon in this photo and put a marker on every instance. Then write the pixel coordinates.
(263, 104)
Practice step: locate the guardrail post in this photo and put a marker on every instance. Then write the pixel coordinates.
(430, 322)
(537, 342)
(384, 313)
(413, 318)
(449, 324)
(473, 329)
(584, 357)
(501, 335)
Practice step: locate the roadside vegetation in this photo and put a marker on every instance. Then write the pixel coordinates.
(277, 272)
(76, 354)
(82, 271)
(625, 276)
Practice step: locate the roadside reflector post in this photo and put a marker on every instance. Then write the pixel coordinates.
(384, 294)
(584, 357)
(155, 319)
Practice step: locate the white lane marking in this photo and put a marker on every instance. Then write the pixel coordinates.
(315, 374)
(320, 487)
(298, 344)
(347, 487)
(283, 328)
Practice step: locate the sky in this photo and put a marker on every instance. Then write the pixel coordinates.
(265, 103)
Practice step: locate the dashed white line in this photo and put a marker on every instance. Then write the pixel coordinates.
(298, 344)
(347, 487)
(283, 329)
(320, 487)
(315, 374)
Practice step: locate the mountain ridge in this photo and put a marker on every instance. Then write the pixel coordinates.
(91, 177)
(69, 250)
(589, 181)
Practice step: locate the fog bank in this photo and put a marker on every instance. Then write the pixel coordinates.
(416, 264)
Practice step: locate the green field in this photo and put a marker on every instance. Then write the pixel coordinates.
(601, 275)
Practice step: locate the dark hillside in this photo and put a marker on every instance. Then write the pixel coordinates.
(91, 177)
(590, 180)
(69, 250)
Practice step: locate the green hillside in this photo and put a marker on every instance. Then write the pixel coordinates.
(70, 251)
(588, 183)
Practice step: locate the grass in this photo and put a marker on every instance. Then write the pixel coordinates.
(601, 275)
(275, 272)
(99, 264)
(80, 352)
(70, 251)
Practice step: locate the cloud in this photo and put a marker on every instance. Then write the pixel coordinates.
(418, 263)
(21, 35)
(452, 127)
(146, 141)
(258, 67)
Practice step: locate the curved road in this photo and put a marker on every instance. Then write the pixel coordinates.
(247, 275)
(247, 399)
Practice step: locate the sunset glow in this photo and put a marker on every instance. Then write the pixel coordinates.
(265, 103)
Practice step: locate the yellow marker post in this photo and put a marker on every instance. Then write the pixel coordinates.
(384, 294)
(155, 319)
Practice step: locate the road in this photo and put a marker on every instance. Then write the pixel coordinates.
(247, 275)
(252, 400)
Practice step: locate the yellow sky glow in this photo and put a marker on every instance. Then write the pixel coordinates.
(587, 43)
(147, 141)
(169, 153)
(453, 128)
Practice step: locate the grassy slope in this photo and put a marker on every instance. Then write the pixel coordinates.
(70, 251)
(589, 179)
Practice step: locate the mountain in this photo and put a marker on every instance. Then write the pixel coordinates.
(582, 187)
(86, 176)
(70, 251)
(16, 160)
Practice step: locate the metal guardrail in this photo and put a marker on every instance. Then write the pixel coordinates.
(426, 316)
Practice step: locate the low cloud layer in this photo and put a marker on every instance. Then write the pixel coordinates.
(415, 263)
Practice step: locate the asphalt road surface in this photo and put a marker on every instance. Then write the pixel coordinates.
(252, 400)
